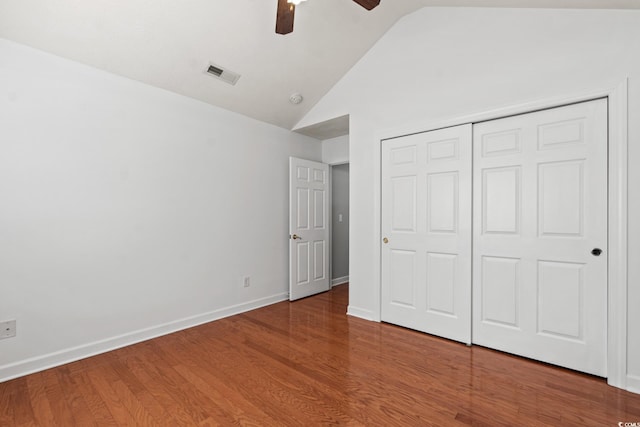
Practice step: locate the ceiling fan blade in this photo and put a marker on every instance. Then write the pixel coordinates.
(284, 18)
(368, 4)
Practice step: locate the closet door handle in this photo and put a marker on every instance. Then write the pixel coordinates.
(596, 251)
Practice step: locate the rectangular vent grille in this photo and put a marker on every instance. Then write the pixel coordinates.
(222, 74)
(215, 71)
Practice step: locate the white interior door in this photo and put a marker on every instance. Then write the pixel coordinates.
(308, 228)
(540, 208)
(426, 224)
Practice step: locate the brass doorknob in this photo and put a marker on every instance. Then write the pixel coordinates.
(385, 240)
(295, 236)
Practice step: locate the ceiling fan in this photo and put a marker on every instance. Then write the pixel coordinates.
(287, 10)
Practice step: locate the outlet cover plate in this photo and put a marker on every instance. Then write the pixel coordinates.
(7, 329)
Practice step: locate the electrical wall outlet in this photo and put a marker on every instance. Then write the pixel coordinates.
(246, 281)
(7, 329)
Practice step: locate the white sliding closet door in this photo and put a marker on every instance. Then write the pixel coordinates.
(426, 226)
(540, 235)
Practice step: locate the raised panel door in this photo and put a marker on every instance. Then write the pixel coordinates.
(308, 228)
(426, 219)
(540, 207)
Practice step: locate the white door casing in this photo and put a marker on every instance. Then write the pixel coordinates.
(540, 207)
(308, 228)
(426, 219)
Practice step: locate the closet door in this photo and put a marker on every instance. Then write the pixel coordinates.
(540, 235)
(426, 229)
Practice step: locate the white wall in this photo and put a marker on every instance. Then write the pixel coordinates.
(442, 63)
(128, 211)
(335, 150)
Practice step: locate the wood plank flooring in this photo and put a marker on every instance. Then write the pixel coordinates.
(307, 363)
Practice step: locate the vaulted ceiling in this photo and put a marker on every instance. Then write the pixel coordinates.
(169, 44)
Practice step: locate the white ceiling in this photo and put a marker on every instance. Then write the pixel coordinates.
(170, 43)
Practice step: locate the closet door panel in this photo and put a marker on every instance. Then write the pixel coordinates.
(426, 221)
(540, 208)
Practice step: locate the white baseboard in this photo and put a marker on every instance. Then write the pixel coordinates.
(339, 281)
(633, 383)
(40, 363)
(360, 312)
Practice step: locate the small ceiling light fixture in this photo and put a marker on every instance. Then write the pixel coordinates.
(295, 99)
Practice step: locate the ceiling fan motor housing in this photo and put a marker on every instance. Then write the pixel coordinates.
(287, 10)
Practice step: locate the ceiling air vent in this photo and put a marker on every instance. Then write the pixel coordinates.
(222, 74)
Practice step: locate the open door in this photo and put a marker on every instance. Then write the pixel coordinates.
(308, 228)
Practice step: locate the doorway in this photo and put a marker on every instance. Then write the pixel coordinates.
(319, 220)
(339, 224)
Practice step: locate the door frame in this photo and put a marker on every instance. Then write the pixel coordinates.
(617, 209)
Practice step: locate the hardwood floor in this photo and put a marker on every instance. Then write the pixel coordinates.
(307, 363)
